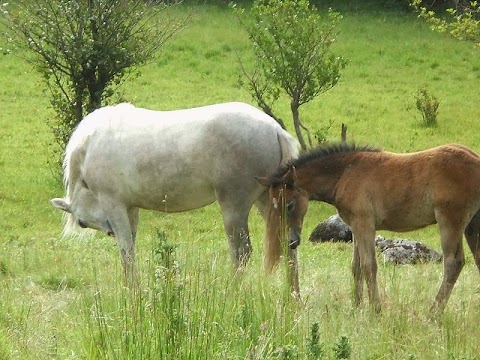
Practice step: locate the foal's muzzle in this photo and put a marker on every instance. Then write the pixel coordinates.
(293, 238)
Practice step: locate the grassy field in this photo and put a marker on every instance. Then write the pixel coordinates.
(64, 299)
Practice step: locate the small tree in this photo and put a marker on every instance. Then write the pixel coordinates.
(292, 47)
(85, 48)
(464, 23)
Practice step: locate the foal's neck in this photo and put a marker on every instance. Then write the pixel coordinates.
(319, 177)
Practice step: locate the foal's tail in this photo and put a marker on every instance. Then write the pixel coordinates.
(273, 247)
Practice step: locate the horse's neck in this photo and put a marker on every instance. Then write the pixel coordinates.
(319, 178)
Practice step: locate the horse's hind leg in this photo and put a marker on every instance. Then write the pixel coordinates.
(453, 259)
(133, 219)
(472, 234)
(262, 205)
(235, 220)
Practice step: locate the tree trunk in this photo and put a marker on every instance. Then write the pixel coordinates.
(344, 133)
(78, 106)
(294, 105)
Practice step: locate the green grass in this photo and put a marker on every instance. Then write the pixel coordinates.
(64, 299)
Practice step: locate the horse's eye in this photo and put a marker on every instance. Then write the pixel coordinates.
(82, 224)
(291, 206)
(84, 184)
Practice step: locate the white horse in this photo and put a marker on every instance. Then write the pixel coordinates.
(122, 158)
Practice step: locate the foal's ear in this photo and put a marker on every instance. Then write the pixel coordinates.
(290, 176)
(264, 180)
(61, 204)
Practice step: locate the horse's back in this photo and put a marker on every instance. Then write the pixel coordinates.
(187, 156)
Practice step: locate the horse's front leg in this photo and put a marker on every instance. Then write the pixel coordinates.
(121, 221)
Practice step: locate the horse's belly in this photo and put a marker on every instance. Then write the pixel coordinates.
(175, 199)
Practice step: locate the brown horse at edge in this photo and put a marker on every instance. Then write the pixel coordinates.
(377, 190)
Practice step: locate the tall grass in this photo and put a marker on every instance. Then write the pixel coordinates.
(188, 311)
(64, 299)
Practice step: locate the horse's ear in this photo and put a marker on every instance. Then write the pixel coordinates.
(264, 180)
(290, 176)
(61, 204)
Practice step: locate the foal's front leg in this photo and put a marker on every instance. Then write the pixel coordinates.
(364, 264)
(293, 269)
(357, 274)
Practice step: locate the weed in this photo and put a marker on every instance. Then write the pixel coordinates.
(321, 134)
(314, 346)
(427, 104)
(342, 348)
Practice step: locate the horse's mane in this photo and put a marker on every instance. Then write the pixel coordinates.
(322, 152)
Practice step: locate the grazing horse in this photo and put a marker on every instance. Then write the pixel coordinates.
(376, 190)
(122, 158)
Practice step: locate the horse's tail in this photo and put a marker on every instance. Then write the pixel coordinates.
(273, 246)
(288, 146)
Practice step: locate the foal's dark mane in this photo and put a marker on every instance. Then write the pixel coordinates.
(322, 152)
(330, 149)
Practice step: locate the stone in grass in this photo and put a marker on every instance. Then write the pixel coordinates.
(403, 251)
(332, 229)
(396, 251)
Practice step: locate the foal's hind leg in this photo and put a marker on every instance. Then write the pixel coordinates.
(472, 234)
(453, 259)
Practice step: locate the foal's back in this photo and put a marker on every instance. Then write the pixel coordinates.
(403, 192)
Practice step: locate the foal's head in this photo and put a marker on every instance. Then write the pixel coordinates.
(288, 206)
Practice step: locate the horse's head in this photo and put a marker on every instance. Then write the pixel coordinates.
(85, 211)
(288, 204)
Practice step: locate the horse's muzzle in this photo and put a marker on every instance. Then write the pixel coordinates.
(293, 238)
(110, 231)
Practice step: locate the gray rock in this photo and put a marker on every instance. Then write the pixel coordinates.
(396, 251)
(332, 229)
(403, 251)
